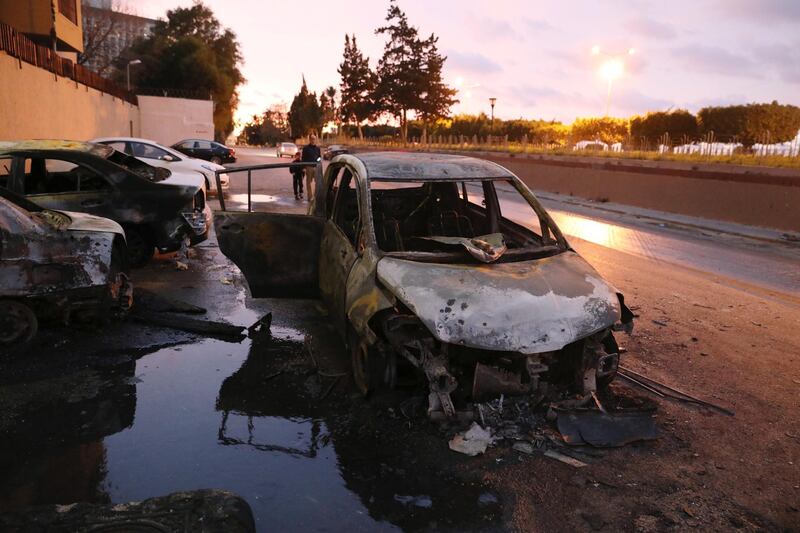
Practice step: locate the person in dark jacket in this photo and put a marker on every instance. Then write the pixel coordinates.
(311, 154)
(297, 177)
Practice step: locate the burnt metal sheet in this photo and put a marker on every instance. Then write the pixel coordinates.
(529, 307)
(278, 253)
(100, 150)
(425, 166)
(606, 430)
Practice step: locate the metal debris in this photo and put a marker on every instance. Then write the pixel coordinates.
(552, 454)
(606, 430)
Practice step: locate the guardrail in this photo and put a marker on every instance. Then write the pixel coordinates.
(17, 45)
(249, 170)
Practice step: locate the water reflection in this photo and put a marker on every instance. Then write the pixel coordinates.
(52, 434)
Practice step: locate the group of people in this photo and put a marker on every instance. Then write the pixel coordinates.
(309, 154)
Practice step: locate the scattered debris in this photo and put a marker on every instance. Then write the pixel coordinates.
(472, 442)
(180, 265)
(606, 430)
(659, 323)
(151, 301)
(261, 325)
(552, 454)
(423, 501)
(192, 325)
(665, 390)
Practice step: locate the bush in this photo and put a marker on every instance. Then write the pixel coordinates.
(607, 129)
(652, 127)
(751, 123)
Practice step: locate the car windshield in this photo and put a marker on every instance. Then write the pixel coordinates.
(138, 167)
(461, 221)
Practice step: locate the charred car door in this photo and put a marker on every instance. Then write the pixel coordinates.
(339, 237)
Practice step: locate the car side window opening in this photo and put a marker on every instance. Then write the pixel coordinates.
(53, 176)
(345, 210)
(407, 215)
(148, 151)
(5, 171)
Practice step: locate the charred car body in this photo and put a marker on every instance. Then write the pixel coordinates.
(449, 263)
(157, 208)
(55, 264)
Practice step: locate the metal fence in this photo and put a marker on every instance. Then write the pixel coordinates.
(17, 45)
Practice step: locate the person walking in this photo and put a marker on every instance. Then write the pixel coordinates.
(311, 154)
(297, 177)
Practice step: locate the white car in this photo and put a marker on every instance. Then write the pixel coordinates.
(283, 149)
(158, 155)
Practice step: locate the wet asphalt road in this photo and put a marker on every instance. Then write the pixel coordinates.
(132, 411)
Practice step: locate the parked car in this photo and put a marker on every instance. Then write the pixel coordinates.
(286, 149)
(157, 208)
(54, 264)
(209, 150)
(333, 150)
(448, 263)
(158, 155)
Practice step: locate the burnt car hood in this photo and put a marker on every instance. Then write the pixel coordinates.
(86, 222)
(528, 307)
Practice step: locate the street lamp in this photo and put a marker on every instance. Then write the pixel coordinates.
(128, 70)
(492, 102)
(612, 68)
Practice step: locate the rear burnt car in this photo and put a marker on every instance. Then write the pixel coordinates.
(333, 150)
(57, 265)
(157, 208)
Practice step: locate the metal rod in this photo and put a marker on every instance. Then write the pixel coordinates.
(249, 192)
(686, 397)
(220, 196)
(642, 385)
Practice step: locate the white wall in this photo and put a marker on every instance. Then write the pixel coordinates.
(169, 120)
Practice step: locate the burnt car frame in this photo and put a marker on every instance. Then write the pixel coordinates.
(55, 265)
(416, 261)
(157, 208)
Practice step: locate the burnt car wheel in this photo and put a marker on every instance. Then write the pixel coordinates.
(18, 323)
(140, 246)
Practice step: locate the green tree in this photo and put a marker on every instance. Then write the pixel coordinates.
(652, 127)
(436, 98)
(607, 129)
(191, 51)
(269, 128)
(357, 86)
(305, 113)
(751, 123)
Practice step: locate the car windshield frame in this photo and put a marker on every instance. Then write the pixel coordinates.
(559, 245)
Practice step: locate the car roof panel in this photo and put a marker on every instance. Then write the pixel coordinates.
(51, 145)
(425, 166)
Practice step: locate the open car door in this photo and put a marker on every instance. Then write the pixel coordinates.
(277, 252)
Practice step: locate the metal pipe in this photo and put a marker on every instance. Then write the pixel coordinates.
(220, 196)
(249, 192)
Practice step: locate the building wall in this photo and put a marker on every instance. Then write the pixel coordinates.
(34, 18)
(120, 31)
(169, 120)
(37, 104)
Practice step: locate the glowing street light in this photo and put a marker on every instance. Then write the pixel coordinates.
(128, 70)
(492, 101)
(612, 68)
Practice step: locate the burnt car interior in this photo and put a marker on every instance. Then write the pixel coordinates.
(410, 216)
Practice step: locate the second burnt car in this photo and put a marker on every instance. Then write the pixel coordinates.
(157, 208)
(56, 265)
(447, 263)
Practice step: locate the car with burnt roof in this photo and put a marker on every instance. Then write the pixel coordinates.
(55, 265)
(158, 208)
(446, 264)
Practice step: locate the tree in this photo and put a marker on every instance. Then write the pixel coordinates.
(400, 69)
(357, 86)
(437, 98)
(305, 114)
(190, 51)
(607, 129)
(98, 32)
(269, 128)
(751, 123)
(653, 126)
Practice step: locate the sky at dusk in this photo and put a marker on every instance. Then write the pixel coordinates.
(534, 57)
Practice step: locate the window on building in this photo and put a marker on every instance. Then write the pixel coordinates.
(69, 9)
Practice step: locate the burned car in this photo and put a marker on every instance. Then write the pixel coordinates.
(444, 262)
(56, 264)
(156, 207)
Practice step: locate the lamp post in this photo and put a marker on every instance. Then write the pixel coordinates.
(492, 102)
(613, 67)
(128, 70)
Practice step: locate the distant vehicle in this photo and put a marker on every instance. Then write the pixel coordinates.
(157, 208)
(55, 264)
(334, 150)
(158, 155)
(209, 150)
(283, 149)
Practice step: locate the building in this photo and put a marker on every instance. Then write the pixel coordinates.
(41, 20)
(106, 33)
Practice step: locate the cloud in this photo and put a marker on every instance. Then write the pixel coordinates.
(647, 27)
(716, 60)
(783, 59)
(472, 62)
(762, 11)
(536, 25)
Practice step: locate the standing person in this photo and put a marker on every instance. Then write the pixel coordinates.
(311, 154)
(297, 177)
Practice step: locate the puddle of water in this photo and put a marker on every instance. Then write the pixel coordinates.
(241, 417)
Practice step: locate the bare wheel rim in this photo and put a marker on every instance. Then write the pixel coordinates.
(18, 323)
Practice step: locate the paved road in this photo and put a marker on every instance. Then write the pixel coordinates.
(659, 237)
